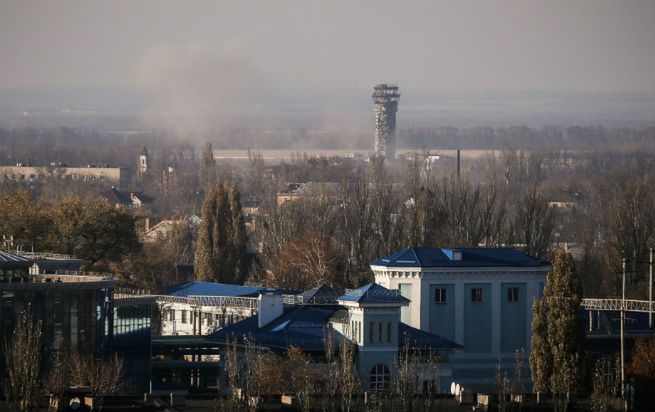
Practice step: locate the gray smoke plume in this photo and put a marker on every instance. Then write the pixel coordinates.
(194, 89)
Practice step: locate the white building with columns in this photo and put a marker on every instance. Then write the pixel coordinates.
(480, 298)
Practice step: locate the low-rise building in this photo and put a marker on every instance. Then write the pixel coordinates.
(479, 297)
(111, 175)
(368, 317)
(299, 191)
(200, 308)
(127, 200)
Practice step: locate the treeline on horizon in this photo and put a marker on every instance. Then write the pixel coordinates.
(592, 137)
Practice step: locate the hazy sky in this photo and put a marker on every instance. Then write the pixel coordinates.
(594, 45)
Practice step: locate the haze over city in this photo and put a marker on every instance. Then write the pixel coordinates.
(199, 65)
(322, 206)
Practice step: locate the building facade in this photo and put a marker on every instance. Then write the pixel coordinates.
(111, 175)
(200, 308)
(480, 298)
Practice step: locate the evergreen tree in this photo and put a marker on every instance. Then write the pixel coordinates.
(540, 357)
(222, 236)
(237, 233)
(207, 166)
(221, 231)
(204, 265)
(563, 293)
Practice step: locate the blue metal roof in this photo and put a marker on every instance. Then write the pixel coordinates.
(304, 326)
(420, 339)
(213, 289)
(320, 294)
(11, 261)
(470, 257)
(374, 293)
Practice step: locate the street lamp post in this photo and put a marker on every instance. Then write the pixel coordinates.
(650, 291)
(622, 334)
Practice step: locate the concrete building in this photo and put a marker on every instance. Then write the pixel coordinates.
(117, 176)
(385, 103)
(478, 297)
(200, 308)
(369, 317)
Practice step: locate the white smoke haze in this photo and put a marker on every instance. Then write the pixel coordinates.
(195, 89)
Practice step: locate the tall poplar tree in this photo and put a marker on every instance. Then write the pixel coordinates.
(563, 293)
(222, 243)
(204, 265)
(540, 356)
(222, 236)
(207, 172)
(237, 233)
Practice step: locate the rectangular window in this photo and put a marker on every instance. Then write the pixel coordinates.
(512, 295)
(379, 331)
(370, 331)
(184, 316)
(476, 295)
(388, 332)
(440, 295)
(359, 330)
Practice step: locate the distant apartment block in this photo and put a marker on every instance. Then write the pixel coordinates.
(113, 175)
(307, 190)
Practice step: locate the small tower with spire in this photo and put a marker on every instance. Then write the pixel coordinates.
(144, 161)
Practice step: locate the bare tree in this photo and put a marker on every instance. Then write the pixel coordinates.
(606, 382)
(58, 379)
(518, 383)
(405, 384)
(102, 377)
(349, 381)
(632, 221)
(23, 362)
(431, 379)
(502, 388)
(533, 222)
(300, 377)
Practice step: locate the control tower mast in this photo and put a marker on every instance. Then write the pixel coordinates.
(385, 102)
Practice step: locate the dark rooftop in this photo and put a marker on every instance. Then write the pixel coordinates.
(11, 261)
(460, 257)
(373, 293)
(214, 289)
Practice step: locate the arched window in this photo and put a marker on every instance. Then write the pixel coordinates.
(380, 377)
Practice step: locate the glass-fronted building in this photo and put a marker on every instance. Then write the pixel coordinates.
(78, 313)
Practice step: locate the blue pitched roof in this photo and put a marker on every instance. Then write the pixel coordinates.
(11, 261)
(420, 339)
(213, 289)
(373, 293)
(301, 326)
(304, 326)
(320, 294)
(470, 257)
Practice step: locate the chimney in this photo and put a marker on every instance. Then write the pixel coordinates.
(270, 308)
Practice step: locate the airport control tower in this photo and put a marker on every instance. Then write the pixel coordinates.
(385, 101)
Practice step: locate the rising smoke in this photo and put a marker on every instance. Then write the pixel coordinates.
(194, 89)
